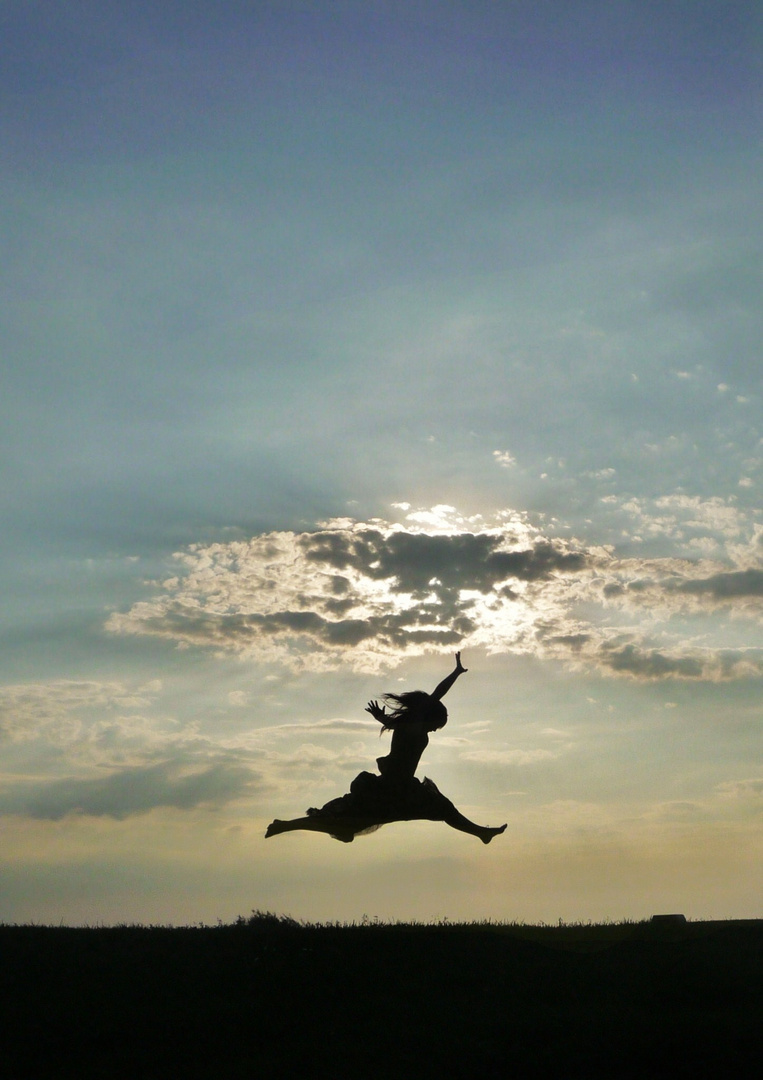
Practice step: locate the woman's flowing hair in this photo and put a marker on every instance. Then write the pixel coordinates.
(412, 706)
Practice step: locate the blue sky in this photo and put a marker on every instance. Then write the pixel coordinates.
(336, 336)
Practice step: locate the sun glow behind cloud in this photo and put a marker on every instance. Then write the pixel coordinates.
(370, 594)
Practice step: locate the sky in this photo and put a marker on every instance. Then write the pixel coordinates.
(338, 336)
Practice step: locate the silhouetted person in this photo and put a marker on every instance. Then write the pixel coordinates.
(395, 794)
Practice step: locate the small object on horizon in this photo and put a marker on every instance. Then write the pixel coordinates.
(668, 919)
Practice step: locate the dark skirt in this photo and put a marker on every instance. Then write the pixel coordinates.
(373, 801)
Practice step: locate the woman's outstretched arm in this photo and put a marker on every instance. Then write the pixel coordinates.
(443, 687)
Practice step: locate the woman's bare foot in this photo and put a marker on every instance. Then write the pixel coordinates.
(486, 835)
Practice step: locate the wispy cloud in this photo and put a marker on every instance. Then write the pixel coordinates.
(748, 790)
(501, 758)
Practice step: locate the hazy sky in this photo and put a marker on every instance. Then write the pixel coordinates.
(336, 336)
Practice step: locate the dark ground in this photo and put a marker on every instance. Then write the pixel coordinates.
(267, 997)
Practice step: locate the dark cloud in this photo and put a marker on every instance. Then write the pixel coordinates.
(210, 627)
(649, 663)
(735, 583)
(575, 642)
(418, 563)
(426, 624)
(137, 790)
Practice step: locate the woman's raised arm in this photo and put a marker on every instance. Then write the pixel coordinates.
(377, 711)
(443, 687)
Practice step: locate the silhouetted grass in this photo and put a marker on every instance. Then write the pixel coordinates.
(268, 996)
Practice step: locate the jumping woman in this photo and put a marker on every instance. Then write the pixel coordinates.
(394, 794)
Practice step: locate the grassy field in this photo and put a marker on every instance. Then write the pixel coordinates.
(270, 997)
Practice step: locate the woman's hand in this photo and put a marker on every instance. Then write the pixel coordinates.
(377, 711)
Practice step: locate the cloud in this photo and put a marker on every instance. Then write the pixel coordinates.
(90, 748)
(422, 565)
(57, 710)
(508, 757)
(749, 790)
(688, 520)
(363, 593)
(725, 586)
(650, 663)
(135, 790)
(326, 727)
(367, 594)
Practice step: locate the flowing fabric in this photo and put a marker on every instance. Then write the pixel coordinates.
(373, 801)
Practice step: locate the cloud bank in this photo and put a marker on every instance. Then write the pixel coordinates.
(115, 760)
(368, 594)
(136, 790)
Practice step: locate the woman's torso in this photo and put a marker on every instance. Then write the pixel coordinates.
(409, 741)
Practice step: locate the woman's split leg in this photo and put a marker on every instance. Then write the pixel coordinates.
(341, 828)
(313, 824)
(347, 830)
(456, 820)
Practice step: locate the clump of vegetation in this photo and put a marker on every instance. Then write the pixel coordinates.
(267, 921)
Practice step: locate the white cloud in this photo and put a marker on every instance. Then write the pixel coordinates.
(688, 523)
(57, 710)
